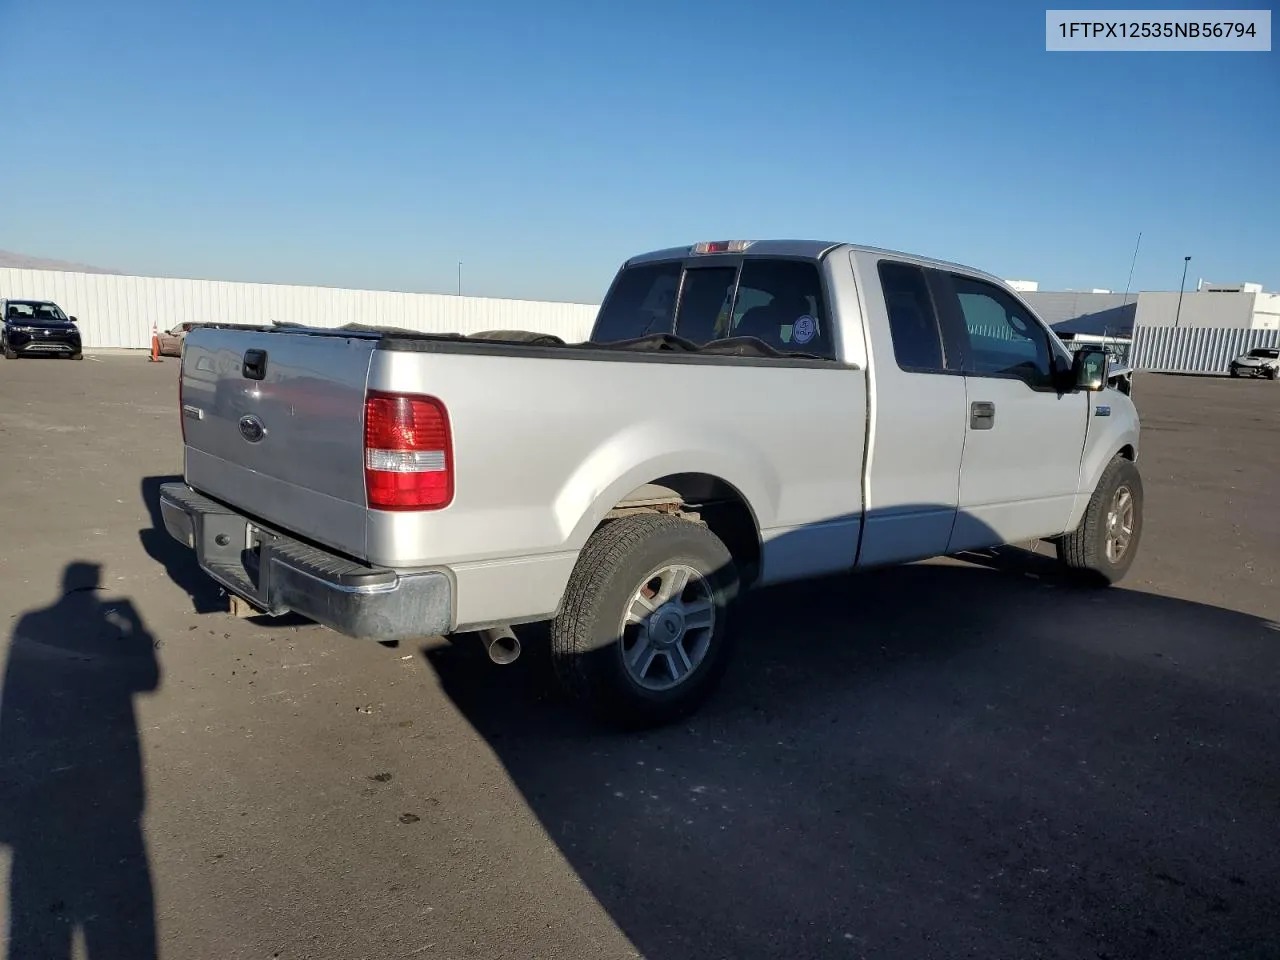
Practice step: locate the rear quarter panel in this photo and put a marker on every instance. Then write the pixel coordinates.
(544, 447)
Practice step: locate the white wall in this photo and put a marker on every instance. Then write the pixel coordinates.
(1159, 309)
(1266, 312)
(119, 311)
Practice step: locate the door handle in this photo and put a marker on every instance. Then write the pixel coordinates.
(255, 364)
(982, 415)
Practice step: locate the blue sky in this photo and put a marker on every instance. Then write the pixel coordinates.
(376, 144)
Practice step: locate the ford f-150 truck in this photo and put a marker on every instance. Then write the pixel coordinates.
(743, 414)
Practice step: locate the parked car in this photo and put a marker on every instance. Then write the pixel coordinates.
(38, 328)
(171, 340)
(1258, 362)
(742, 414)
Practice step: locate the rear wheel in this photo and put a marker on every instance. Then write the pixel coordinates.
(641, 638)
(1102, 548)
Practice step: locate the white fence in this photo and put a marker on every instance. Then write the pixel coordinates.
(119, 311)
(1195, 349)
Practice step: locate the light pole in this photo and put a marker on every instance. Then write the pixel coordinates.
(1178, 315)
(460, 277)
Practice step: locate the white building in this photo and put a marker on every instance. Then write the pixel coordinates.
(1240, 306)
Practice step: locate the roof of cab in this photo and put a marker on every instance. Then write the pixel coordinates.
(814, 249)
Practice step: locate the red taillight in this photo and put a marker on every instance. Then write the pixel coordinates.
(408, 460)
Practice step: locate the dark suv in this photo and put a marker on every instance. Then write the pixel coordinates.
(38, 328)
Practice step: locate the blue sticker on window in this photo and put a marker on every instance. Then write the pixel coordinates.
(804, 329)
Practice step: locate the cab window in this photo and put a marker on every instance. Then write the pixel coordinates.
(642, 302)
(705, 301)
(1004, 339)
(781, 303)
(913, 324)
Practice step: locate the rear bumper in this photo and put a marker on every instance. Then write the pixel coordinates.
(279, 575)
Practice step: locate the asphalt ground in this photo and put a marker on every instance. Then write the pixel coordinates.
(951, 759)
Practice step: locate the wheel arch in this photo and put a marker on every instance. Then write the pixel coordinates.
(708, 499)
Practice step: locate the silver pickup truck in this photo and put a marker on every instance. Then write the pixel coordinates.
(743, 414)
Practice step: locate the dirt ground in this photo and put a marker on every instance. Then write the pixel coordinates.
(942, 760)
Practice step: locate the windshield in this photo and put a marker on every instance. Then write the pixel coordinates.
(1265, 354)
(34, 310)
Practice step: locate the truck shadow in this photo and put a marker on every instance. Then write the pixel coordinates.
(942, 759)
(178, 560)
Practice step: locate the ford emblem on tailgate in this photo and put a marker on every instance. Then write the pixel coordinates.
(251, 429)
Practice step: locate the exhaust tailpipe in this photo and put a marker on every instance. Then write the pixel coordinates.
(501, 644)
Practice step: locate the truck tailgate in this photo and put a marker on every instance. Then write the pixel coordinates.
(274, 425)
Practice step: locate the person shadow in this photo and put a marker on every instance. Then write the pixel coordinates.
(72, 793)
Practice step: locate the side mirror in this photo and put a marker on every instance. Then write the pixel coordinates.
(73, 319)
(1089, 369)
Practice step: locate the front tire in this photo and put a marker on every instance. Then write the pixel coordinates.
(10, 354)
(641, 639)
(1101, 550)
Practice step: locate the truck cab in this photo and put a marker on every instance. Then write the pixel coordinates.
(977, 430)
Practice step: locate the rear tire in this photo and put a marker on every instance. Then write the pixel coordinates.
(1101, 550)
(641, 639)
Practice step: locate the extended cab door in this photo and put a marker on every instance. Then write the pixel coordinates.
(1024, 435)
(917, 420)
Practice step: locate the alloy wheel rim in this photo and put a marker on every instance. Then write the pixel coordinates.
(667, 627)
(1120, 517)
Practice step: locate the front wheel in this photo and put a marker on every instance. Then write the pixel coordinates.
(641, 639)
(1101, 549)
(10, 354)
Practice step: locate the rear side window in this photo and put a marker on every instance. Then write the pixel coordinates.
(642, 302)
(781, 303)
(705, 302)
(913, 324)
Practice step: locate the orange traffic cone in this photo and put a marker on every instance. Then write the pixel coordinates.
(155, 345)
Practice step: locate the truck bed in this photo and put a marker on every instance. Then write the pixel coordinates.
(546, 437)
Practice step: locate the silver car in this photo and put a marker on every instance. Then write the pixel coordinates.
(1258, 362)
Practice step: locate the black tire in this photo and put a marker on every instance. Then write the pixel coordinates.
(1084, 550)
(75, 356)
(587, 646)
(10, 354)
(1273, 373)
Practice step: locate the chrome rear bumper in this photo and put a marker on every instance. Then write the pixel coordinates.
(279, 574)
